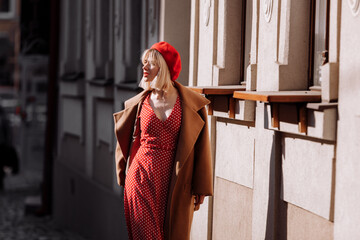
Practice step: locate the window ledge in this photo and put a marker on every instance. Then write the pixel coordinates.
(72, 88)
(132, 86)
(321, 106)
(218, 90)
(322, 120)
(279, 96)
(213, 92)
(102, 81)
(72, 76)
(274, 98)
(315, 88)
(101, 88)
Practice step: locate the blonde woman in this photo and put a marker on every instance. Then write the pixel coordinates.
(163, 152)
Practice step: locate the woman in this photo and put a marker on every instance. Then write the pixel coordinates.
(163, 155)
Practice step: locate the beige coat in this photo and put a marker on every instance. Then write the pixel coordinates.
(193, 170)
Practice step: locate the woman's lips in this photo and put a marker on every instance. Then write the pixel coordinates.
(146, 74)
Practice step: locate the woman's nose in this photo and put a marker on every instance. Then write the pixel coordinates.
(145, 67)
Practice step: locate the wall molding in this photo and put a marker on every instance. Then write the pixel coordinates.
(206, 12)
(268, 8)
(354, 6)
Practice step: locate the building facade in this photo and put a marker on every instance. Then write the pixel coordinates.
(283, 79)
(10, 42)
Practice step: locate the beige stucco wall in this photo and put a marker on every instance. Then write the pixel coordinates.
(232, 208)
(300, 224)
(307, 175)
(282, 63)
(234, 155)
(206, 43)
(301, 184)
(347, 198)
(268, 71)
(175, 29)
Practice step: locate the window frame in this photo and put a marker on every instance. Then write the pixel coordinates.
(244, 36)
(11, 13)
(313, 20)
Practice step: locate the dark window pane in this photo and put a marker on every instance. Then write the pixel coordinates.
(4, 5)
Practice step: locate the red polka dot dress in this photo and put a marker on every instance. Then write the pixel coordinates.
(148, 178)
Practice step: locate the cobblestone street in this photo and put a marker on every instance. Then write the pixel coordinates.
(15, 225)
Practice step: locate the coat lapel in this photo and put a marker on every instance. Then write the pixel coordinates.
(125, 120)
(191, 124)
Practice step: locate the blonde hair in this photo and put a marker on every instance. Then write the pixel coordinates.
(163, 79)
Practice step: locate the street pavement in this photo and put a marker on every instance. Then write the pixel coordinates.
(15, 224)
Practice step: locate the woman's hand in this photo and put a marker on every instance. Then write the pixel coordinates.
(199, 199)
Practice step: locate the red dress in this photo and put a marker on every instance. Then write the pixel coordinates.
(148, 178)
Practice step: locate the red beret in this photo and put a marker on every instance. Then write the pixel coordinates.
(171, 56)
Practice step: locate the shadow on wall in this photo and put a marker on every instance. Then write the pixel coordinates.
(276, 221)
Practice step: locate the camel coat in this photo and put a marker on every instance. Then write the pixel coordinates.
(192, 170)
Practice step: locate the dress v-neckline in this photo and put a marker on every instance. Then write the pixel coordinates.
(171, 113)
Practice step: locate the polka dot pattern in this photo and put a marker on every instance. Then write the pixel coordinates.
(148, 179)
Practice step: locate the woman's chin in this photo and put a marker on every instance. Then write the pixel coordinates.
(147, 79)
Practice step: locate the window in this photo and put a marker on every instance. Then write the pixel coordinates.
(127, 41)
(7, 9)
(234, 33)
(102, 48)
(320, 41)
(99, 48)
(246, 38)
(72, 53)
(6, 60)
(4, 6)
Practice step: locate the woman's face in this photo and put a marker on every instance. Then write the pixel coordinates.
(150, 69)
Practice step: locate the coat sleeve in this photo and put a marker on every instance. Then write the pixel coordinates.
(127, 129)
(120, 165)
(203, 166)
(120, 161)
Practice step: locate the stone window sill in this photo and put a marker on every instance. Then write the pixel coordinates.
(72, 88)
(315, 88)
(322, 120)
(132, 86)
(72, 76)
(103, 82)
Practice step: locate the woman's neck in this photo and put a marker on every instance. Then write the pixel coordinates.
(163, 95)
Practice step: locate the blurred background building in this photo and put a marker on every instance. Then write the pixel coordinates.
(24, 53)
(283, 78)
